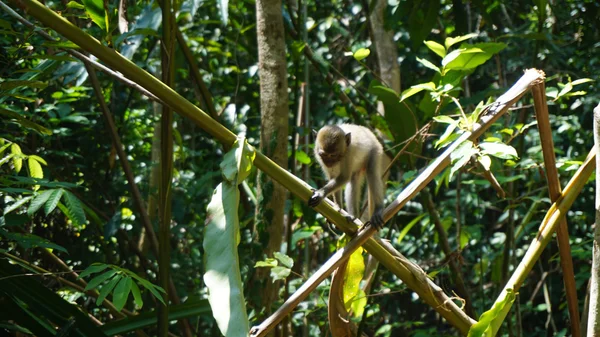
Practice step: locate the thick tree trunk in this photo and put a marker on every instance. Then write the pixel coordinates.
(594, 312)
(273, 133)
(387, 52)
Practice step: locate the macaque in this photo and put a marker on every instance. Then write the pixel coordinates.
(346, 153)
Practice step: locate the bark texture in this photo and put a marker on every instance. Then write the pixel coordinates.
(274, 131)
(387, 52)
(594, 311)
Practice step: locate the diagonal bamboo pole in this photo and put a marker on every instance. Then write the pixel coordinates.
(554, 189)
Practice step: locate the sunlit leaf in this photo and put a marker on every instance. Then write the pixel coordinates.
(436, 48)
(17, 156)
(35, 169)
(284, 259)
(302, 157)
(429, 65)
(361, 54)
(491, 320)
(450, 41)
(499, 150)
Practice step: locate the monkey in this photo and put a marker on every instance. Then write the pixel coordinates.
(347, 153)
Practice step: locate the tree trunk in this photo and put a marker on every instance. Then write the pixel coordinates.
(273, 133)
(594, 313)
(387, 52)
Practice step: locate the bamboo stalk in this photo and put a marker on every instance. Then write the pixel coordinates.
(551, 221)
(554, 189)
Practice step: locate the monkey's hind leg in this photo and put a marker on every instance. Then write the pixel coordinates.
(352, 195)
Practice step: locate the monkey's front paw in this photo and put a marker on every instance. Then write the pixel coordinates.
(316, 199)
(377, 220)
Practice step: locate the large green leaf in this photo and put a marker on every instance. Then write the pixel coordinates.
(471, 56)
(353, 298)
(400, 116)
(221, 238)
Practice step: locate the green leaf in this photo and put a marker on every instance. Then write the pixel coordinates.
(16, 204)
(485, 161)
(445, 120)
(94, 268)
(35, 169)
(15, 149)
(284, 259)
(30, 241)
(152, 288)
(450, 41)
(568, 87)
(53, 200)
(238, 161)
(95, 9)
(75, 4)
(361, 54)
(581, 81)
(107, 288)
(429, 65)
(137, 296)
(267, 263)
(491, 320)
(303, 233)
(471, 56)
(4, 147)
(407, 228)
(461, 156)
(39, 201)
(222, 277)
(76, 213)
(415, 89)
(6, 158)
(280, 273)
(302, 157)
(24, 122)
(354, 273)
(39, 159)
(96, 281)
(436, 48)
(499, 150)
(121, 292)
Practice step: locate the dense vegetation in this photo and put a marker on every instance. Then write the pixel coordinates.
(86, 184)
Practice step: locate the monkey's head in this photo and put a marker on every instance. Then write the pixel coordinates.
(331, 144)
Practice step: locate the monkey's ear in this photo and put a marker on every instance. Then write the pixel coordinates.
(348, 138)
